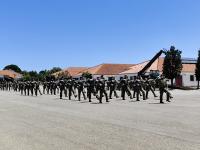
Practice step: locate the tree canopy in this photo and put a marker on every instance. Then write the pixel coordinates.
(172, 65)
(197, 70)
(13, 67)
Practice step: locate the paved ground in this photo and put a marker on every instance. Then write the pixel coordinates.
(47, 123)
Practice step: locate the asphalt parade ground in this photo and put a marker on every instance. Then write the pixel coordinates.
(48, 123)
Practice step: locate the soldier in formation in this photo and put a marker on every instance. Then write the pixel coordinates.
(90, 88)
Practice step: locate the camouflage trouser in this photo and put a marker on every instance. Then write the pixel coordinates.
(143, 93)
(79, 94)
(111, 92)
(162, 91)
(124, 91)
(103, 92)
(147, 92)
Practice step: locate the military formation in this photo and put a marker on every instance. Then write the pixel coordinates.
(88, 89)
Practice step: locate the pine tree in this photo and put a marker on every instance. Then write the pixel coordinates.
(172, 65)
(197, 71)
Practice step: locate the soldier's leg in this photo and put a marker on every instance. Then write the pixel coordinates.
(58, 91)
(65, 91)
(61, 92)
(129, 93)
(48, 90)
(70, 93)
(101, 95)
(36, 90)
(106, 95)
(25, 91)
(147, 94)
(40, 91)
(84, 94)
(79, 94)
(143, 94)
(138, 95)
(51, 91)
(168, 94)
(153, 91)
(115, 93)
(110, 95)
(161, 95)
(54, 91)
(31, 91)
(21, 91)
(74, 92)
(89, 95)
(134, 92)
(123, 94)
(43, 90)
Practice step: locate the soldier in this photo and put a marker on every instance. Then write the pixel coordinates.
(48, 87)
(132, 85)
(44, 86)
(37, 88)
(62, 87)
(162, 83)
(124, 83)
(102, 89)
(28, 87)
(149, 87)
(138, 88)
(90, 88)
(112, 85)
(32, 86)
(54, 86)
(142, 87)
(66, 88)
(70, 85)
(21, 87)
(80, 86)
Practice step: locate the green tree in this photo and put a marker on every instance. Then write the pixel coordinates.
(86, 75)
(197, 70)
(43, 74)
(54, 70)
(13, 67)
(26, 76)
(33, 74)
(172, 65)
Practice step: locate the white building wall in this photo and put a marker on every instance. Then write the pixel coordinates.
(186, 79)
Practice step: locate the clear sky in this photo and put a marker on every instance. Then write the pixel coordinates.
(41, 34)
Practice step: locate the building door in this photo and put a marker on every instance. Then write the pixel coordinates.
(179, 81)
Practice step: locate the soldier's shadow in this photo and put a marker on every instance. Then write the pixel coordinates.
(82, 102)
(133, 101)
(98, 103)
(158, 103)
(58, 99)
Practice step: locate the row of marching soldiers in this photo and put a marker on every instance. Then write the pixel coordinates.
(26, 88)
(88, 88)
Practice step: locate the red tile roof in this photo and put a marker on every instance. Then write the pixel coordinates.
(157, 65)
(189, 68)
(72, 71)
(10, 73)
(108, 69)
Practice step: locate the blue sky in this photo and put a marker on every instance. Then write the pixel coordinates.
(41, 34)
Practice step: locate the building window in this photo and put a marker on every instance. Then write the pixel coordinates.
(131, 77)
(191, 77)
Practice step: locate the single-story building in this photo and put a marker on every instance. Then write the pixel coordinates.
(187, 77)
(71, 71)
(108, 70)
(11, 74)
